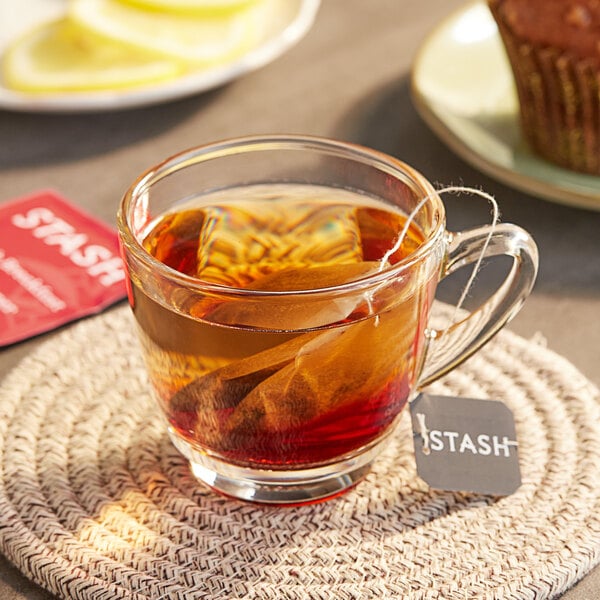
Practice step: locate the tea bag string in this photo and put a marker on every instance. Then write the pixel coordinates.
(451, 189)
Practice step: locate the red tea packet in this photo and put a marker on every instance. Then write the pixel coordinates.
(57, 264)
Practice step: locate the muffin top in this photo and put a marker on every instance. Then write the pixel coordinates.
(569, 25)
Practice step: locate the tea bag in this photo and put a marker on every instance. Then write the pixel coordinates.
(335, 368)
(315, 372)
(241, 242)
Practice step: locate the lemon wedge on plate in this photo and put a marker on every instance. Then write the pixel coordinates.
(205, 7)
(62, 57)
(198, 40)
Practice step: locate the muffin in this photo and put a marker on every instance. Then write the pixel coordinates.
(554, 50)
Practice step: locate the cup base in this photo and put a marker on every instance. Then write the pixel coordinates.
(264, 486)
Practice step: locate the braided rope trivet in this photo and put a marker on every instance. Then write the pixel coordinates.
(96, 504)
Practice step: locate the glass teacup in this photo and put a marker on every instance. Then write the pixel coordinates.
(282, 287)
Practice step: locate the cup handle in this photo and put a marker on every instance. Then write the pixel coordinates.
(447, 348)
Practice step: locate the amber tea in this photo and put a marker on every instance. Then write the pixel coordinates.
(285, 381)
(282, 286)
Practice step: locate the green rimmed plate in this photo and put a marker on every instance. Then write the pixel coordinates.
(463, 88)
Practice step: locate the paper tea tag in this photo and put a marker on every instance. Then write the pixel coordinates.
(57, 264)
(465, 444)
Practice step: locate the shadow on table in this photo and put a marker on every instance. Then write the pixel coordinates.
(45, 138)
(567, 237)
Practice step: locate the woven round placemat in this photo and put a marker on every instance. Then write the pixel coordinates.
(95, 503)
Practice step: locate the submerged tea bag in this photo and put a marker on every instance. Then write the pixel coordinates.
(332, 369)
(282, 388)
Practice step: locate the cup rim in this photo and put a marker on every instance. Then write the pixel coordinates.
(229, 146)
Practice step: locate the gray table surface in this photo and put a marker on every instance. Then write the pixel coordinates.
(347, 79)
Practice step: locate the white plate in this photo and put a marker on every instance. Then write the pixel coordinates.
(463, 88)
(288, 25)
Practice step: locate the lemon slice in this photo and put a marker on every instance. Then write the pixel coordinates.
(198, 40)
(61, 57)
(205, 7)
